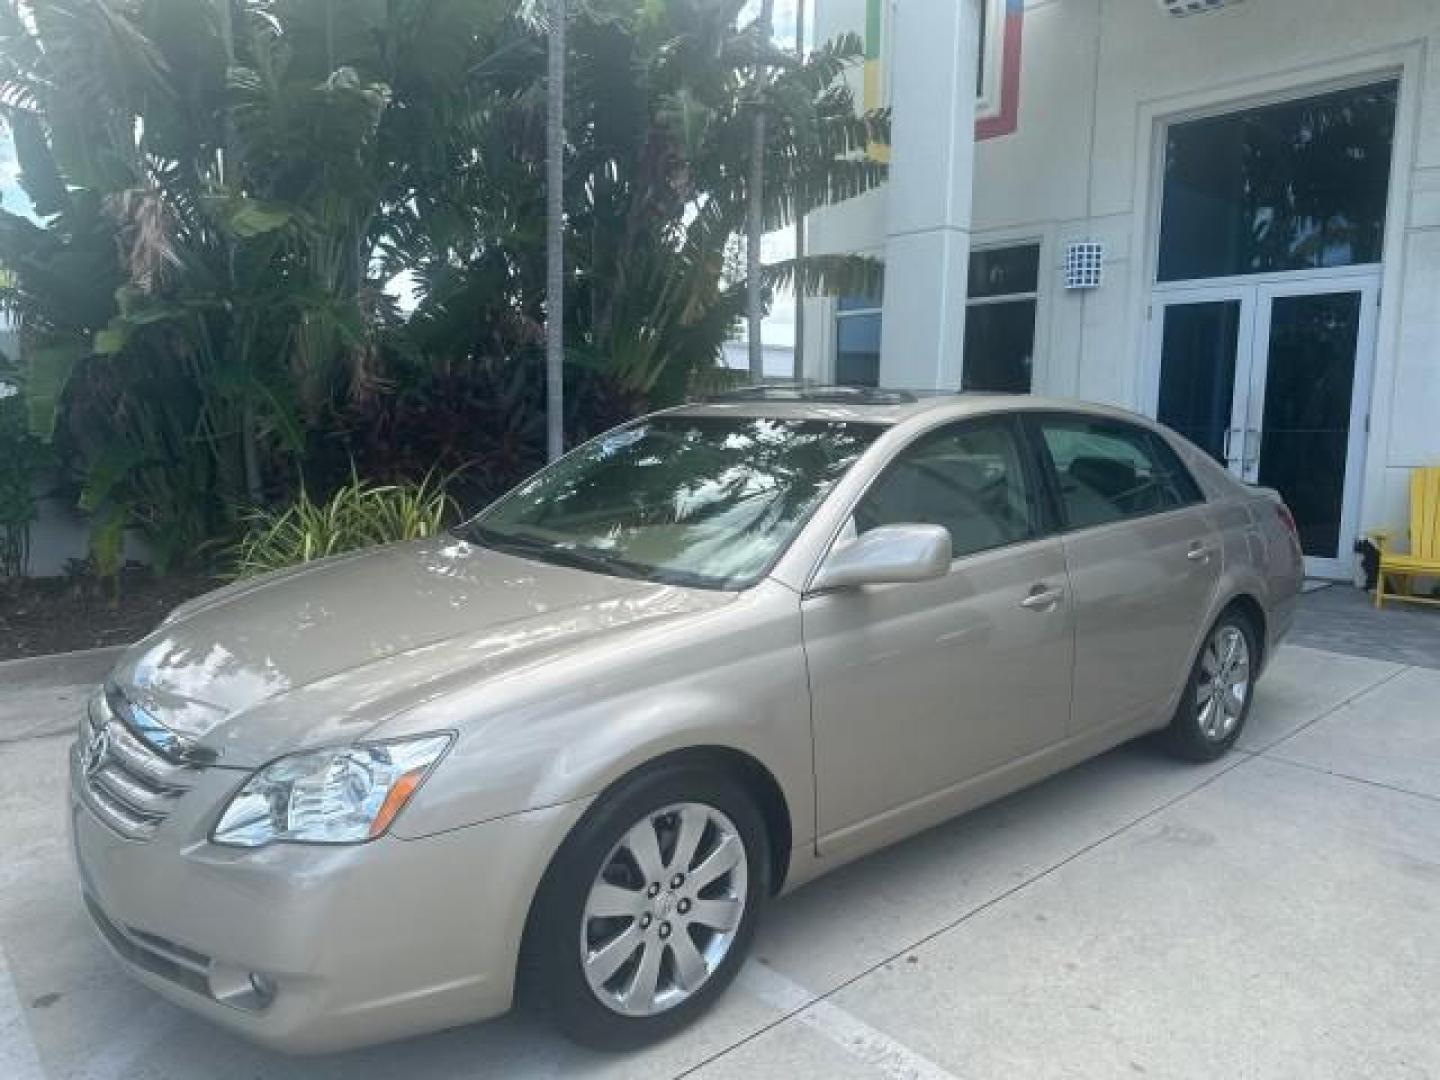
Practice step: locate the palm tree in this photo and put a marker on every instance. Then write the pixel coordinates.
(210, 179)
(660, 103)
(226, 188)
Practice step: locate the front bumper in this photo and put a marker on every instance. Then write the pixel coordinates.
(351, 945)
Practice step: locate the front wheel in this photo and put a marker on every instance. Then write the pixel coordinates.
(650, 906)
(1216, 701)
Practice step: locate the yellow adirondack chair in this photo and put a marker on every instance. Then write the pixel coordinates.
(1423, 559)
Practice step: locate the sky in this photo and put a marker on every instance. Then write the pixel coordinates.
(783, 20)
(12, 198)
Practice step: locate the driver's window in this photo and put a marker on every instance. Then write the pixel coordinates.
(968, 477)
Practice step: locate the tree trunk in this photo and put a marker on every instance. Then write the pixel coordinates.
(555, 237)
(755, 225)
(230, 173)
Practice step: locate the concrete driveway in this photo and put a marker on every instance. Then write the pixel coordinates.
(1276, 914)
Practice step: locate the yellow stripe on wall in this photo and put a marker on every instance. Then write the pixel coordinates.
(874, 71)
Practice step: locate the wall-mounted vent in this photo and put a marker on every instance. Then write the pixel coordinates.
(1181, 8)
(1084, 265)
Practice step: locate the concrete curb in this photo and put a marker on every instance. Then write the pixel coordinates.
(59, 669)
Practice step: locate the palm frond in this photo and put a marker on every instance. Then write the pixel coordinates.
(829, 275)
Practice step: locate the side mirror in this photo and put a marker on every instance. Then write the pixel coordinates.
(889, 554)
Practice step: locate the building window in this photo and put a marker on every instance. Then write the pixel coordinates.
(987, 67)
(1000, 319)
(857, 341)
(1295, 186)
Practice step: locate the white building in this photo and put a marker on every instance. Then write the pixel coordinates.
(1257, 183)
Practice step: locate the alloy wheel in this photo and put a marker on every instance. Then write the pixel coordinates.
(664, 909)
(1224, 683)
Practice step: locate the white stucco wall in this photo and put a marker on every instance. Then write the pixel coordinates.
(1099, 79)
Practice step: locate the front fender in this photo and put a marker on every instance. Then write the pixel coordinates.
(733, 678)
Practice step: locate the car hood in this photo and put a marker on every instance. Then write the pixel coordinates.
(325, 653)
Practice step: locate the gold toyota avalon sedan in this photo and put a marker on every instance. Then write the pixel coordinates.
(578, 743)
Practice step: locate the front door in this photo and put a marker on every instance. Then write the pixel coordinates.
(918, 688)
(1271, 378)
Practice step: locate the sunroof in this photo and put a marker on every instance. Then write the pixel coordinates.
(827, 395)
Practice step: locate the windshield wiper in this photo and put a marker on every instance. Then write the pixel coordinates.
(545, 551)
(589, 559)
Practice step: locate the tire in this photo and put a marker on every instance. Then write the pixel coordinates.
(1206, 722)
(596, 903)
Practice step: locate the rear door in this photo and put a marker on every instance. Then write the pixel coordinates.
(1143, 563)
(919, 687)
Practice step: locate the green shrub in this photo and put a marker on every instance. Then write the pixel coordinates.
(22, 458)
(358, 515)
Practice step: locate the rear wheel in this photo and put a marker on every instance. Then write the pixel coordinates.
(650, 906)
(1216, 701)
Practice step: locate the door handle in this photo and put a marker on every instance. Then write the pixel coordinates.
(1198, 553)
(1042, 598)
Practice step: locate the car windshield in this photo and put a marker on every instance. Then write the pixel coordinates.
(687, 500)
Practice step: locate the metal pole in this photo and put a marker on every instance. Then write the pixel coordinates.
(555, 236)
(797, 368)
(754, 299)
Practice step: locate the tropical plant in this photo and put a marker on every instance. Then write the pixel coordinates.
(358, 515)
(22, 459)
(207, 176)
(481, 421)
(226, 192)
(660, 98)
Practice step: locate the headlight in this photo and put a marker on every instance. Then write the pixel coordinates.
(340, 796)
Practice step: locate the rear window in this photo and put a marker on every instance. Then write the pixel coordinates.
(1110, 470)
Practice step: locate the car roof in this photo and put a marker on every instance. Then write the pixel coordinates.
(880, 406)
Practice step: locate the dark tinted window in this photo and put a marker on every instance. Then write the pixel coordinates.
(1000, 347)
(1198, 359)
(1000, 319)
(1291, 186)
(1002, 271)
(857, 341)
(1309, 383)
(1109, 471)
(968, 477)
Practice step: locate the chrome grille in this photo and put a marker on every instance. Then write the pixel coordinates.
(128, 783)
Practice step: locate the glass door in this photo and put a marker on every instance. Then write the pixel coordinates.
(1308, 403)
(1203, 339)
(1272, 380)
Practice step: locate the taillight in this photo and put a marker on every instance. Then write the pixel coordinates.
(1289, 520)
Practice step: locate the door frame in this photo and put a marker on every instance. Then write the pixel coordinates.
(1256, 294)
